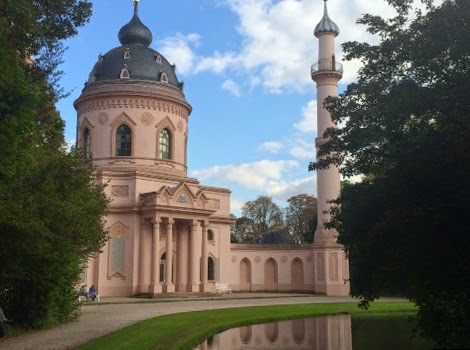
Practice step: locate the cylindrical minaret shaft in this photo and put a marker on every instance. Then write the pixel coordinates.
(326, 73)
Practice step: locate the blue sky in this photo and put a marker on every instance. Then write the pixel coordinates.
(246, 65)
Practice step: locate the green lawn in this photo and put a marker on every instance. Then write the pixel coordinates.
(183, 331)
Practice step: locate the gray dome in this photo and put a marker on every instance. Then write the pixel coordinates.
(277, 237)
(142, 63)
(326, 24)
(135, 32)
(134, 60)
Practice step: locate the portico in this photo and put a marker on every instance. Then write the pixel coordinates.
(174, 243)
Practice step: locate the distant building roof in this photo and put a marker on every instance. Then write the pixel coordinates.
(277, 237)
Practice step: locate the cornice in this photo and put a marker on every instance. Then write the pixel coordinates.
(280, 247)
(109, 95)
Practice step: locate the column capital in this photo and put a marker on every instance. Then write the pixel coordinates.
(145, 221)
(194, 223)
(171, 221)
(156, 220)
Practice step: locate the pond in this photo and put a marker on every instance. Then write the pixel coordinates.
(341, 332)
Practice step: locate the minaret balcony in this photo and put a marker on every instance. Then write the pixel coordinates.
(322, 68)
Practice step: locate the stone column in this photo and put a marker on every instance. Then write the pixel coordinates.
(155, 286)
(194, 263)
(182, 259)
(203, 287)
(142, 286)
(168, 286)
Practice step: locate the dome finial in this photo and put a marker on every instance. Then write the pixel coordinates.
(136, 8)
(135, 32)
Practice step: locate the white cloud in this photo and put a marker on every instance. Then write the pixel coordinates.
(216, 63)
(249, 175)
(303, 148)
(236, 206)
(271, 147)
(308, 123)
(278, 46)
(69, 144)
(283, 190)
(232, 87)
(266, 177)
(177, 49)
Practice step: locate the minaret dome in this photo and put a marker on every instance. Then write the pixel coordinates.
(326, 25)
(135, 32)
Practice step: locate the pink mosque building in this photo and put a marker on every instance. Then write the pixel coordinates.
(168, 233)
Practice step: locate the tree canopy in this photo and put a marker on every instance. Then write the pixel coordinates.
(301, 217)
(51, 209)
(406, 130)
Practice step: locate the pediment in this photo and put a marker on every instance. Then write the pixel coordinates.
(86, 123)
(182, 196)
(123, 119)
(166, 123)
(118, 229)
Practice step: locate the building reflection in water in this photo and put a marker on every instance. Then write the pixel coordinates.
(318, 333)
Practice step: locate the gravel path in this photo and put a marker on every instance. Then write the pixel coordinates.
(99, 319)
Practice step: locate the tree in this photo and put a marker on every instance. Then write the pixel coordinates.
(51, 209)
(258, 217)
(301, 217)
(406, 129)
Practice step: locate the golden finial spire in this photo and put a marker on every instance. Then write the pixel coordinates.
(136, 2)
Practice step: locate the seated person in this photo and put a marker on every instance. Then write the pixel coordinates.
(84, 291)
(92, 293)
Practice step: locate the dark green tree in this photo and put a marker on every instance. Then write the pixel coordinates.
(258, 217)
(407, 130)
(301, 217)
(50, 208)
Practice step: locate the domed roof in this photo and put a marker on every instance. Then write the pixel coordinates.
(326, 24)
(134, 60)
(277, 237)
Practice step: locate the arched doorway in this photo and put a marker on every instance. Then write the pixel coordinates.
(245, 274)
(163, 267)
(297, 274)
(210, 269)
(270, 275)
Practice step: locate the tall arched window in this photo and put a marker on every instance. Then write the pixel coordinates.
(210, 269)
(123, 141)
(210, 235)
(87, 143)
(165, 144)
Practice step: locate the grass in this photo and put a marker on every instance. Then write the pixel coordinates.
(184, 331)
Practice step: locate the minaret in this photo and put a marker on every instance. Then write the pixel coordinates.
(331, 265)
(326, 73)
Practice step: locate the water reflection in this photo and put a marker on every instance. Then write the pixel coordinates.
(319, 333)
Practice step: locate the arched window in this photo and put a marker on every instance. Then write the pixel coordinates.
(125, 73)
(210, 269)
(123, 141)
(165, 144)
(210, 235)
(87, 143)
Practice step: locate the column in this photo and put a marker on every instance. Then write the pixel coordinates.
(182, 257)
(168, 286)
(142, 287)
(155, 286)
(203, 287)
(194, 263)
